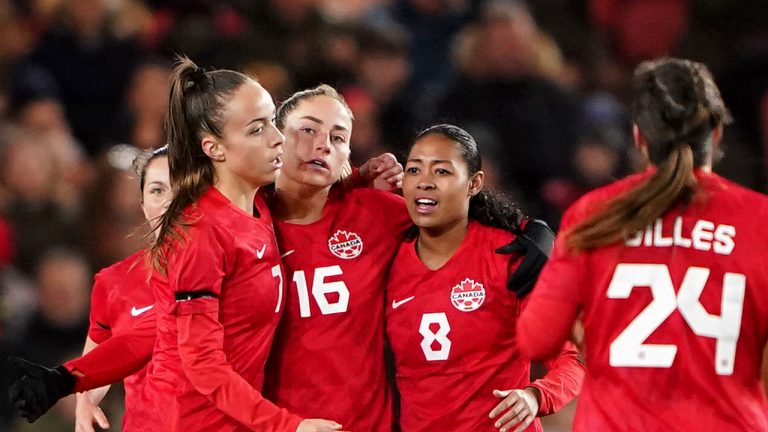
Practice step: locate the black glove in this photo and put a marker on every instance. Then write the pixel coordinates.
(38, 388)
(535, 242)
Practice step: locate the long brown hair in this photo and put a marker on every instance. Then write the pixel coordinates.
(675, 106)
(196, 102)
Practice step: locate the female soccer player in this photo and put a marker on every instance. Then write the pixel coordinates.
(133, 350)
(121, 293)
(218, 281)
(450, 318)
(667, 268)
(337, 243)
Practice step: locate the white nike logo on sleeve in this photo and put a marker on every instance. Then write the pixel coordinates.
(260, 252)
(136, 312)
(397, 304)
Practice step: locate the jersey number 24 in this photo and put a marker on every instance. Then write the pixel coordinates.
(628, 349)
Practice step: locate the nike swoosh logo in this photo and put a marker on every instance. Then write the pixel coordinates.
(260, 252)
(397, 304)
(136, 312)
(287, 253)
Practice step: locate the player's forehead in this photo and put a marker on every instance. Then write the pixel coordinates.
(436, 149)
(323, 110)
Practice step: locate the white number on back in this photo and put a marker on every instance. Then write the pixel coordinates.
(320, 290)
(628, 349)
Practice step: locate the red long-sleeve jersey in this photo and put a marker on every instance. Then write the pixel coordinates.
(452, 331)
(328, 357)
(217, 310)
(218, 307)
(675, 318)
(121, 295)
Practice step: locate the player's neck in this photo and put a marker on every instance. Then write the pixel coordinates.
(240, 193)
(436, 246)
(299, 203)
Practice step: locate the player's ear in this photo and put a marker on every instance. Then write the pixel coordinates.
(476, 183)
(213, 148)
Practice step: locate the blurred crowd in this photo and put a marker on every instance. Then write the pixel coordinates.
(542, 85)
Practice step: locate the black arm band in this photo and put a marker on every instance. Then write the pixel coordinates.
(186, 296)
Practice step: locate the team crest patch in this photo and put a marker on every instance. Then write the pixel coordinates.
(468, 295)
(345, 245)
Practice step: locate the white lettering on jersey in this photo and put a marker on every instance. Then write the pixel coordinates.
(704, 236)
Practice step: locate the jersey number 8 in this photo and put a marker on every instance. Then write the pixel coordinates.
(628, 349)
(432, 338)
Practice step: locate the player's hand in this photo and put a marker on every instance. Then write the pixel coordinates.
(88, 413)
(577, 335)
(535, 243)
(318, 425)
(383, 172)
(38, 388)
(521, 407)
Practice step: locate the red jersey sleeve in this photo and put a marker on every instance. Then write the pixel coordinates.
(117, 358)
(100, 327)
(198, 274)
(565, 370)
(563, 381)
(355, 180)
(551, 309)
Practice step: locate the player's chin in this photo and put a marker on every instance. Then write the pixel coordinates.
(320, 179)
(423, 221)
(267, 177)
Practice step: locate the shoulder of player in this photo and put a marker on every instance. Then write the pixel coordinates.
(386, 207)
(119, 269)
(597, 198)
(733, 191)
(405, 255)
(215, 217)
(368, 197)
(491, 236)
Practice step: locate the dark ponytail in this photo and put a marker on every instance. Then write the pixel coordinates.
(196, 101)
(676, 106)
(489, 208)
(495, 210)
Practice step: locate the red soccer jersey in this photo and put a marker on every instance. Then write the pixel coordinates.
(328, 356)
(121, 295)
(452, 331)
(208, 364)
(675, 319)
